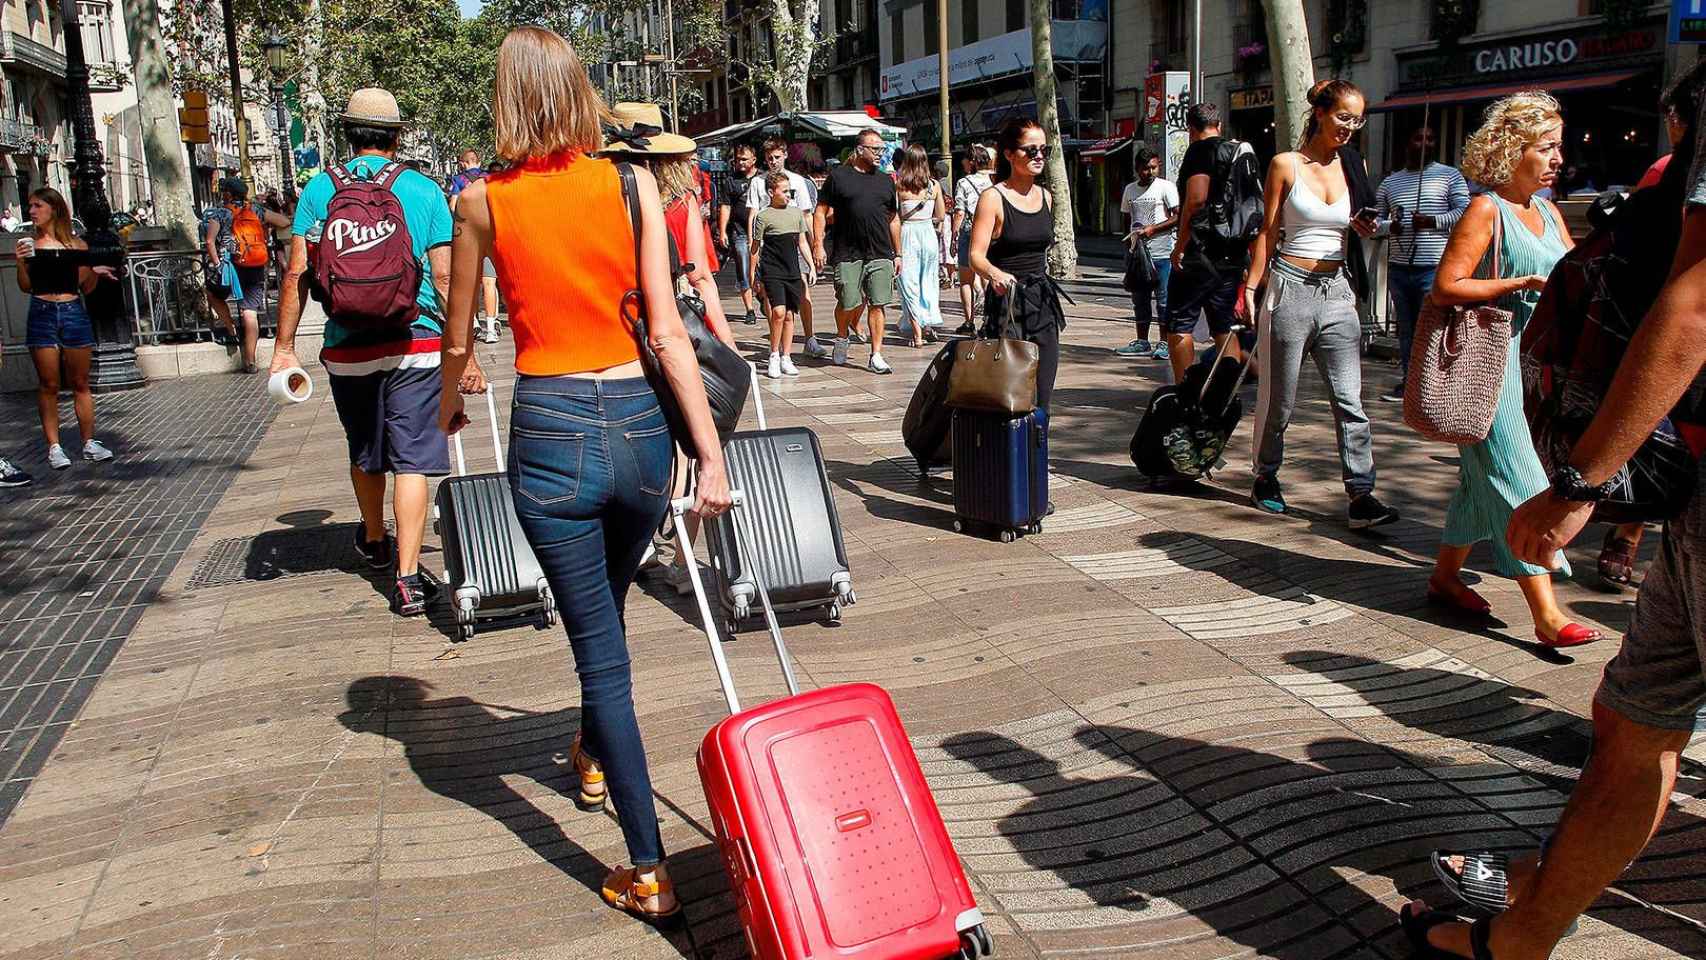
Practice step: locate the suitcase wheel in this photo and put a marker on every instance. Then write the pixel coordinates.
(467, 630)
(742, 610)
(959, 526)
(845, 597)
(976, 943)
(1036, 527)
(1007, 536)
(730, 628)
(835, 612)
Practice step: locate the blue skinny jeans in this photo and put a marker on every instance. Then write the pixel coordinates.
(589, 468)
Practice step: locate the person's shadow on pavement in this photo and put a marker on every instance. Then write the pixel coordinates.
(463, 749)
(1255, 845)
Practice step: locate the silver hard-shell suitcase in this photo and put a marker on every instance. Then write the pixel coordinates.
(489, 568)
(791, 510)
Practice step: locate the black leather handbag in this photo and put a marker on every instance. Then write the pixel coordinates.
(727, 376)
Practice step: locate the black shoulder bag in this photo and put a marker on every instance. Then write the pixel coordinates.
(727, 376)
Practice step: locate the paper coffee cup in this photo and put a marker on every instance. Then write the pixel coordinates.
(27, 246)
(290, 385)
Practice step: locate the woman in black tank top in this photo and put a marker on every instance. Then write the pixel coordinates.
(1010, 238)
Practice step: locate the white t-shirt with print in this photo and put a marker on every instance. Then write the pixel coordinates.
(758, 193)
(1147, 207)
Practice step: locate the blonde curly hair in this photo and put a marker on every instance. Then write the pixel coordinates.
(1492, 152)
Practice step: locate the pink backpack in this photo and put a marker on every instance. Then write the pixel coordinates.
(365, 271)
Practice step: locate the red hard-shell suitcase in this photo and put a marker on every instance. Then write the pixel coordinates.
(828, 830)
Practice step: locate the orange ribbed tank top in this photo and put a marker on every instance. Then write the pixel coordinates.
(564, 249)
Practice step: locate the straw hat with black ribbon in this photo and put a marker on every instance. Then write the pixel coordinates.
(638, 129)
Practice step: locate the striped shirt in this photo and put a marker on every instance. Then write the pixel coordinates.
(1444, 196)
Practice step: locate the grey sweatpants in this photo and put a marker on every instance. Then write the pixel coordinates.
(1316, 314)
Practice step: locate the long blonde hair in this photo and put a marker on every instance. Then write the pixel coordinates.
(1492, 152)
(674, 173)
(543, 102)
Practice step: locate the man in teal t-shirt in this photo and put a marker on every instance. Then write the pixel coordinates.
(424, 210)
(385, 386)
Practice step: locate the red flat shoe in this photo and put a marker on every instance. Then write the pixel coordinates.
(1572, 635)
(1473, 605)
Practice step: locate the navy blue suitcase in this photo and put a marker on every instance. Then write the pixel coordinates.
(1000, 472)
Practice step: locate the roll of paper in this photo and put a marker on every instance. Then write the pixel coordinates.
(291, 385)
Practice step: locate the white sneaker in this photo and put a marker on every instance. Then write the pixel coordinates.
(56, 457)
(774, 370)
(11, 476)
(879, 365)
(788, 368)
(839, 354)
(815, 347)
(93, 450)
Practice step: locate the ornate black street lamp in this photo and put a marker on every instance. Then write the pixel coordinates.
(275, 47)
(114, 364)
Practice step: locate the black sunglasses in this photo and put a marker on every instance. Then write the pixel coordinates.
(1037, 152)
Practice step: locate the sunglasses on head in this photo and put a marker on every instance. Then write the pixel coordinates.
(1036, 152)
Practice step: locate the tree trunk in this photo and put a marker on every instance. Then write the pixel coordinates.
(162, 145)
(309, 92)
(1293, 67)
(1063, 255)
(793, 29)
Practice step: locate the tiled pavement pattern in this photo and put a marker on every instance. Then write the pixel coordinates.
(1167, 726)
(85, 551)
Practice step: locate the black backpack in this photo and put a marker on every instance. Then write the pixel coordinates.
(1225, 226)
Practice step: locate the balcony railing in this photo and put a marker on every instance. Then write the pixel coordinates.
(17, 49)
(16, 136)
(854, 47)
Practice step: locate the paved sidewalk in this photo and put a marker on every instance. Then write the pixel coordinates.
(1167, 726)
(84, 551)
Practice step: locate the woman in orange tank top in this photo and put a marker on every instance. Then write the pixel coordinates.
(589, 451)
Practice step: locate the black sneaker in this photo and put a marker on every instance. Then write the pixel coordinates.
(11, 476)
(751, 317)
(1266, 495)
(409, 596)
(1366, 511)
(1394, 395)
(377, 553)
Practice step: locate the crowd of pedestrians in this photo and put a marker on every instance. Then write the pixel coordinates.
(593, 465)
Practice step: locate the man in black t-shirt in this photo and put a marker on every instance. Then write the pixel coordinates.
(732, 220)
(1198, 284)
(866, 246)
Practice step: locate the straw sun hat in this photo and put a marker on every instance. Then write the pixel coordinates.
(645, 122)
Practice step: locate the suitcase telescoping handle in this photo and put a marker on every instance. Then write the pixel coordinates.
(497, 443)
(1220, 354)
(757, 396)
(743, 535)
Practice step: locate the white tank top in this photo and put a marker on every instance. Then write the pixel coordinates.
(1313, 229)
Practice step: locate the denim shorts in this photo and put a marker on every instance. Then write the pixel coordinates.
(63, 325)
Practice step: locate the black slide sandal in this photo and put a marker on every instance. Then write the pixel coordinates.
(1484, 883)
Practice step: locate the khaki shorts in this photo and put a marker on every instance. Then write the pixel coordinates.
(864, 283)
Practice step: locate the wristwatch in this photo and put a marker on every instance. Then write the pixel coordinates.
(1568, 484)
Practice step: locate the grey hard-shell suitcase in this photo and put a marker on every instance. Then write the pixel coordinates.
(489, 568)
(791, 509)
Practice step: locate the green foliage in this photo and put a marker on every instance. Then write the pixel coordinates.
(439, 64)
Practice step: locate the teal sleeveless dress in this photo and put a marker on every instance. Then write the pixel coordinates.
(1501, 472)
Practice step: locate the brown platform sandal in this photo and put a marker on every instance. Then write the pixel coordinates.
(647, 893)
(592, 790)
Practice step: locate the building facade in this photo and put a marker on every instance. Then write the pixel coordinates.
(989, 66)
(1412, 60)
(35, 145)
